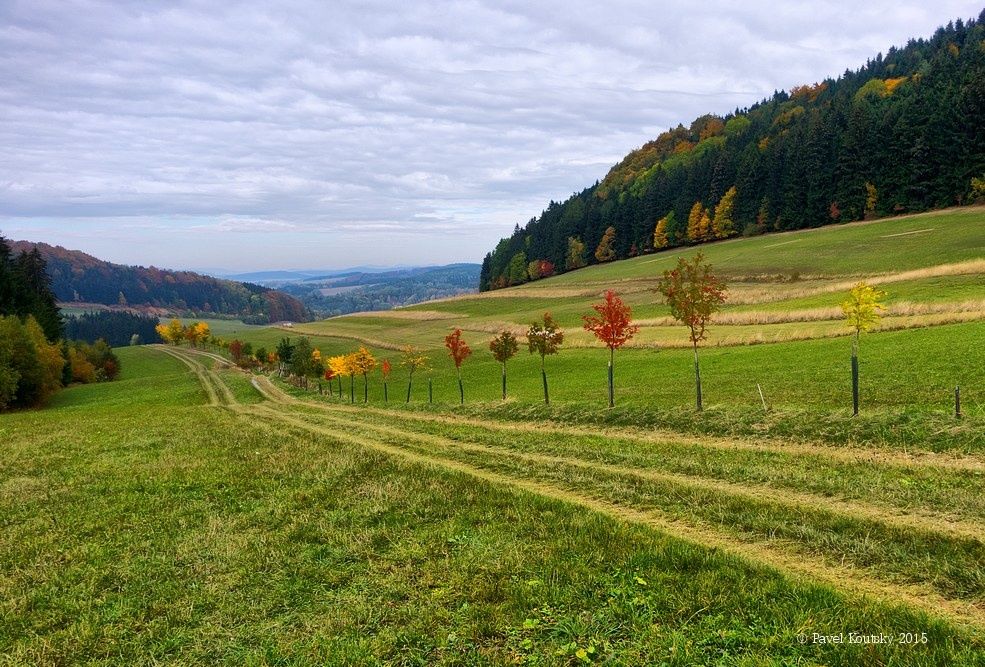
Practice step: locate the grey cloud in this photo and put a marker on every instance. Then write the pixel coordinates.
(444, 123)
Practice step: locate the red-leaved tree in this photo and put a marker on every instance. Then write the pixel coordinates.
(613, 325)
(459, 351)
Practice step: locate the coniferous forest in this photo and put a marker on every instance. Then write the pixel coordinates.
(902, 134)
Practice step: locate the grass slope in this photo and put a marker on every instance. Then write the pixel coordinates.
(782, 329)
(143, 525)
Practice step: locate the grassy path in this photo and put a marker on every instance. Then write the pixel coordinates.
(899, 528)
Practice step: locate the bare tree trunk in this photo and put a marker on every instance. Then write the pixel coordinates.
(697, 375)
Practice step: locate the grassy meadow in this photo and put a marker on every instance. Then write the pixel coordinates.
(190, 514)
(193, 513)
(782, 329)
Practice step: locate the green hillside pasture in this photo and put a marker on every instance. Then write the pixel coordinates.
(856, 249)
(141, 525)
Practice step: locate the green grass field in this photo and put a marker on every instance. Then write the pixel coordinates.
(184, 515)
(192, 513)
(782, 329)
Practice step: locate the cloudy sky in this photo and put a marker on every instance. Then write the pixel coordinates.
(263, 135)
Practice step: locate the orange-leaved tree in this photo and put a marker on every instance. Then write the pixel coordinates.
(413, 360)
(544, 338)
(503, 348)
(694, 294)
(613, 325)
(459, 351)
(385, 369)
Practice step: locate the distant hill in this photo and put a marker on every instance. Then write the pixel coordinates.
(357, 291)
(79, 277)
(901, 134)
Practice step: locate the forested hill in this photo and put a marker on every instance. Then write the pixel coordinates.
(78, 277)
(901, 134)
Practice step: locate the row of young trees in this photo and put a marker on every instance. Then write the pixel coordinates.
(901, 134)
(691, 290)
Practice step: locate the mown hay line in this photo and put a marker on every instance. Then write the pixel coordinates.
(663, 437)
(886, 515)
(806, 569)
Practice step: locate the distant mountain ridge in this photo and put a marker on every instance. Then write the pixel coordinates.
(357, 291)
(79, 277)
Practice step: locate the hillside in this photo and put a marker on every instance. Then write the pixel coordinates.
(782, 326)
(901, 134)
(79, 277)
(360, 291)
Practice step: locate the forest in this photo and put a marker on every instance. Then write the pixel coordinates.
(901, 134)
(79, 277)
(35, 359)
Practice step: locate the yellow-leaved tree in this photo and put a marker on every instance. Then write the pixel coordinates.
(339, 366)
(862, 309)
(724, 223)
(363, 362)
(605, 252)
(172, 332)
(413, 361)
(660, 239)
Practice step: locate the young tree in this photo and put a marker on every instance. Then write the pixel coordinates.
(459, 351)
(339, 366)
(503, 348)
(605, 252)
(363, 362)
(613, 325)
(694, 294)
(724, 223)
(862, 311)
(172, 332)
(385, 369)
(575, 257)
(236, 350)
(544, 339)
(285, 349)
(413, 361)
(197, 332)
(302, 363)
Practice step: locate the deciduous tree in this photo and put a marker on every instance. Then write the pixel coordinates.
(363, 362)
(544, 338)
(613, 325)
(862, 311)
(385, 369)
(575, 257)
(694, 294)
(724, 223)
(413, 361)
(459, 351)
(605, 252)
(504, 347)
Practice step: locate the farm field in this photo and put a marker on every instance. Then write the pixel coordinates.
(225, 521)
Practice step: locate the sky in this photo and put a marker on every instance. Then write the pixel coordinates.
(246, 136)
